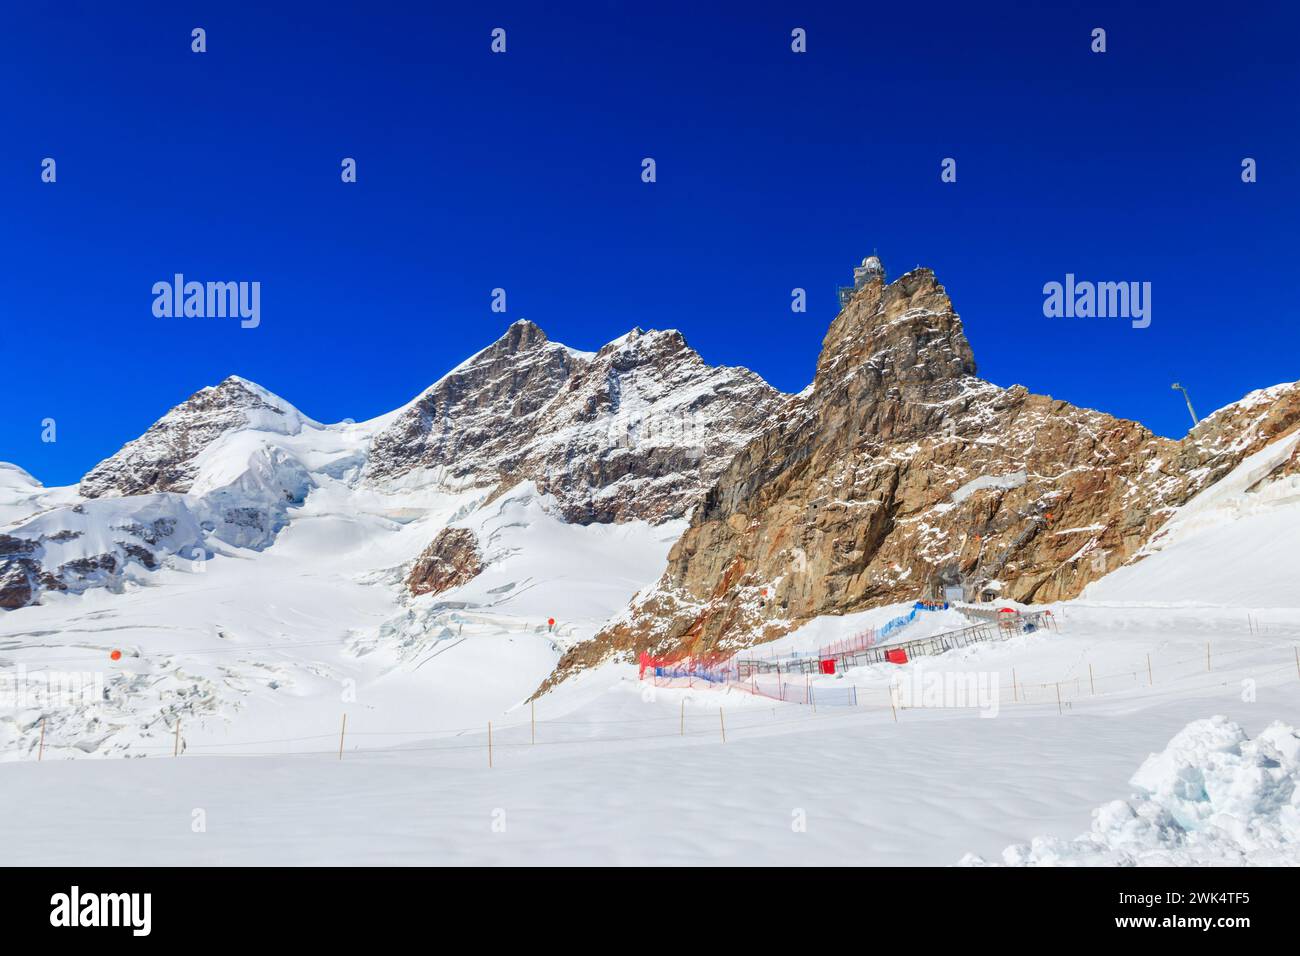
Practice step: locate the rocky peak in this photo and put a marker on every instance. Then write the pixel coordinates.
(520, 337)
(468, 425)
(643, 428)
(164, 457)
(634, 430)
(1238, 430)
(900, 335)
(900, 472)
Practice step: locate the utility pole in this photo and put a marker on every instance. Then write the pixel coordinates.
(1187, 398)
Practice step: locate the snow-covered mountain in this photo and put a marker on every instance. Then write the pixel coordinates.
(172, 453)
(637, 430)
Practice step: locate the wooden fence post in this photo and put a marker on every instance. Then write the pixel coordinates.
(342, 730)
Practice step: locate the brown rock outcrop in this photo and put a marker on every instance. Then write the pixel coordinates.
(900, 471)
(450, 561)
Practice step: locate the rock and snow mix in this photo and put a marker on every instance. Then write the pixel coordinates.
(255, 572)
(1212, 797)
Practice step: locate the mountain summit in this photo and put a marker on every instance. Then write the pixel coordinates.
(165, 457)
(901, 474)
(635, 431)
(638, 429)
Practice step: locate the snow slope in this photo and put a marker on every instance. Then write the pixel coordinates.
(22, 496)
(611, 780)
(271, 644)
(1234, 544)
(1212, 797)
(264, 644)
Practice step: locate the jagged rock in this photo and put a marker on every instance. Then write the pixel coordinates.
(900, 471)
(450, 561)
(141, 555)
(464, 429)
(636, 430)
(19, 571)
(16, 587)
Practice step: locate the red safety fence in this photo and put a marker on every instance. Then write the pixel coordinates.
(858, 642)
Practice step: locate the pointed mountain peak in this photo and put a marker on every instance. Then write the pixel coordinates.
(651, 341)
(905, 332)
(235, 391)
(164, 457)
(520, 337)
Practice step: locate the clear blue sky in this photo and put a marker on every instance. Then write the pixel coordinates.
(775, 170)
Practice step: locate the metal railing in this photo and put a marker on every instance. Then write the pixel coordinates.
(918, 647)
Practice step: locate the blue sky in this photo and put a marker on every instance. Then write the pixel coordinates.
(522, 171)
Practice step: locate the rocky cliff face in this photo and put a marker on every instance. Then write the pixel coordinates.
(452, 559)
(476, 416)
(901, 471)
(20, 571)
(637, 430)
